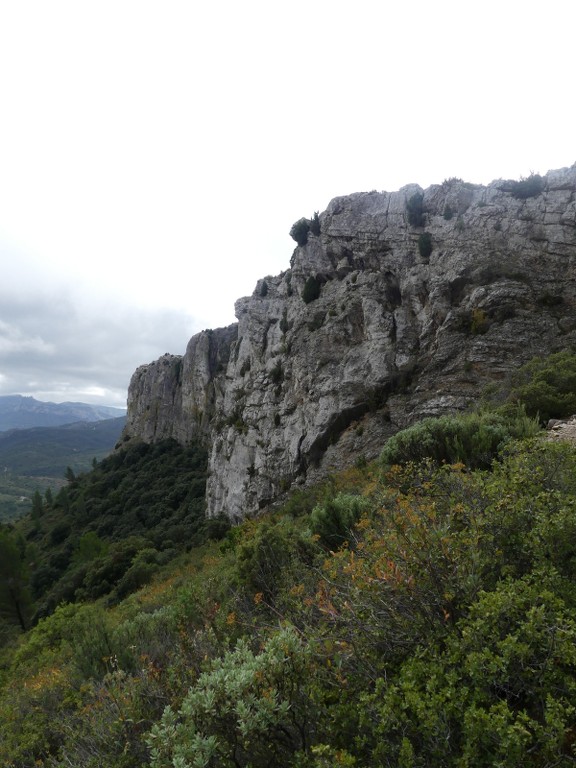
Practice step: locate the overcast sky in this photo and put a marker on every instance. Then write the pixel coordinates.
(153, 155)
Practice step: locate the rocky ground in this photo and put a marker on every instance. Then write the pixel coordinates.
(562, 429)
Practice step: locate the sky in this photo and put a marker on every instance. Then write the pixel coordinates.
(154, 155)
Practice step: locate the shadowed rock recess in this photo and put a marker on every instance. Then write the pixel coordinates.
(405, 305)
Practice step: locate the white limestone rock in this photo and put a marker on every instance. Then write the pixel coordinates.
(296, 390)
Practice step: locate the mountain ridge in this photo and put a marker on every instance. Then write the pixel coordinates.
(23, 412)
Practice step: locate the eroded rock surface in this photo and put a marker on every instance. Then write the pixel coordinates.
(424, 297)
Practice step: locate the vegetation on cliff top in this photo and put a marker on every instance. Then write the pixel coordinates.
(414, 614)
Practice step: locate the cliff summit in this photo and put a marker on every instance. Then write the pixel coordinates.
(396, 306)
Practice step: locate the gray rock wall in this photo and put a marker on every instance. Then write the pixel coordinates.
(296, 390)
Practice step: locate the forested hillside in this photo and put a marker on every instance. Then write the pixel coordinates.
(38, 458)
(415, 611)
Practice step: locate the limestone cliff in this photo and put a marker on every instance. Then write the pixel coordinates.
(414, 301)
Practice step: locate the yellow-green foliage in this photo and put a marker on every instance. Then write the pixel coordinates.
(478, 321)
(547, 386)
(474, 438)
(248, 708)
(334, 519)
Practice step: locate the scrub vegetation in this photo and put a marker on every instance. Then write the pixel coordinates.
(419, 610)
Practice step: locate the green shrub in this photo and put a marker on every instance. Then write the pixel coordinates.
(530, 187)
(425, 245)
(107, 571)
(89, 547)
(144, 565)
(415, 210)
(486, 698)
(303, 227)
(474, 439)
(315, 224)
(299, 231)
(478, 322)
(277, 373)
(284, 325)
(246, 709)
(333, 519)
(546, 386)
(267, 556)
(216, 528)
(301, 502)
(60, 533)
(311, 290)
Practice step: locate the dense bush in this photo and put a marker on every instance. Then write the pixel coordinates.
(303, 227)
(425, 246)
(474, 439)
(334, 519)
(315, 224)
(484, 700)
(270, 555)
(249, 709)
(444, 635)
(415, 210)
(546, 386)
(299, 231)
(531, 186)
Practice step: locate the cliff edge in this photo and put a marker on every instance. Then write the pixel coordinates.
(396, 306)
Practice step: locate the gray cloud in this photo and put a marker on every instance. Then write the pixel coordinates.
(55, 349)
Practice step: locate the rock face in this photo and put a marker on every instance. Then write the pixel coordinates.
(405, 304)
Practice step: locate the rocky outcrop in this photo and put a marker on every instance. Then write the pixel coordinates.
(402, 305)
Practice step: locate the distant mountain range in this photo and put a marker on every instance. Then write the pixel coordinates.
(19, 412)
